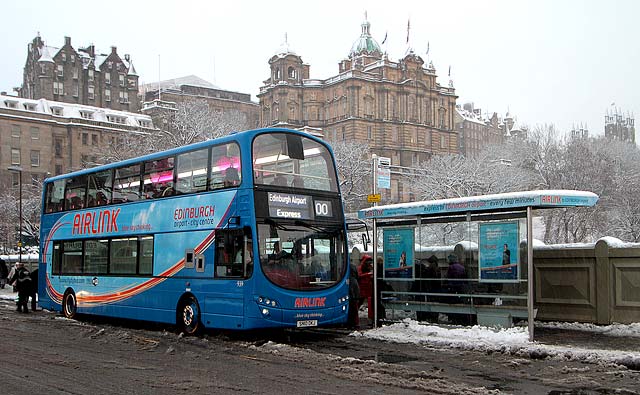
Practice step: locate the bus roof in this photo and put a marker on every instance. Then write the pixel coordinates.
(173, 151)
(485, 203)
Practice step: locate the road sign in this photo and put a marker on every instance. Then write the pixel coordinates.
(374, 198)
(384, 173)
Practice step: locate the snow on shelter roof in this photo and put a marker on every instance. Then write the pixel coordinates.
(484, 203)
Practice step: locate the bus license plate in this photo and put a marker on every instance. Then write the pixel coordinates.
(306, 323)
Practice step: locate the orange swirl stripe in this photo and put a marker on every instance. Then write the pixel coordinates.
(90, 299)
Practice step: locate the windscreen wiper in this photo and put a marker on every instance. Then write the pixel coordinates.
(309, 226)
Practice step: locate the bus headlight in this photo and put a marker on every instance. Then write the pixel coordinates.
(265, 312)
(264, 301)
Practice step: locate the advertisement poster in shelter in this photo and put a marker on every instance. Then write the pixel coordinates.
(398, 253)
(498, 251)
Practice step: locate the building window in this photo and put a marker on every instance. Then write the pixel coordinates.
(35, 158)
(60, 70)
(121, 79)
(369, 133)
(86, 114)
(94, 139)
(91, 91)
(116, 119)
(58, 149)
(107, 94)
(35, 133)
(15, 156)
(85, 138)
(132, 83)
(73, 59)
(443, 142)
(15, 134)
(29, 106)
(58, 88)
(43, 68)
(75, 73)
(124, 97)
(58, 169)
(107, 78)
(10, 103)
(344, 134)
(64, 57)
(76, 89)
(90, 74)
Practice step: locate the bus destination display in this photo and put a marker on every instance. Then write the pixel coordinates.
(287, 205)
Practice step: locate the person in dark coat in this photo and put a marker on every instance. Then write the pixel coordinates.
(353, 321)
(365, 280)
(33, 292)
(22, 282)
(4, 273)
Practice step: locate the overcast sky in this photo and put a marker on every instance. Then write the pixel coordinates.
(560, 62)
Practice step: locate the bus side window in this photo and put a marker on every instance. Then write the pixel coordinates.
(225, 166)
(234, 254)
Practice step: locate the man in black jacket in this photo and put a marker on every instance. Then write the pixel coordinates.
(23, 285)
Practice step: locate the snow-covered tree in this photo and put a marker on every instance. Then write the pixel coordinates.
(10, 222)
(192, 121)
(353, 160)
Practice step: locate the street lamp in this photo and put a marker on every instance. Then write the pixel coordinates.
(18, 169)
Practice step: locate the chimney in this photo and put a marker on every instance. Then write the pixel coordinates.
(114, 49)
(67, 40)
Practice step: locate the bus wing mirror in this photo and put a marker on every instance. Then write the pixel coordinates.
(365, 241)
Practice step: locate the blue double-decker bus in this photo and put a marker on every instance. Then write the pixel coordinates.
(245, 231)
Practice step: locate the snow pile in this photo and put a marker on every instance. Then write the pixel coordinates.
(619, 330)
(512, 340)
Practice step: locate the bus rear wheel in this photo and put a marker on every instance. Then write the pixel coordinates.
(189, 316)
(69, 305)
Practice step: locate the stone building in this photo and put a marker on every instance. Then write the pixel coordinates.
(80, 76)
(477, 130)
(47, 138)
(160, 99)
(618, 126)
(397, 107)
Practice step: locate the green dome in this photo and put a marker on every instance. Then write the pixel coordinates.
(365, 44)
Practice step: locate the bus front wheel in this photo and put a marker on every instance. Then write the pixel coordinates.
(69, 304)
(189, 316)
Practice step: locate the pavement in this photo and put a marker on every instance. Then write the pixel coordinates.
(582, 338)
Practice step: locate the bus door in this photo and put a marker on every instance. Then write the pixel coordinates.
(233, 265)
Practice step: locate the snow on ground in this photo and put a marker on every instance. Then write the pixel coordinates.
(514, 341)
(619, 330)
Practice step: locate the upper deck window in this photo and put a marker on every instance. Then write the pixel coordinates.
(289, 160)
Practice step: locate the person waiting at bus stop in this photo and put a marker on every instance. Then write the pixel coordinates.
(365, 280)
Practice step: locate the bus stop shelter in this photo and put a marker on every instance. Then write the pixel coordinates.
(465, 257)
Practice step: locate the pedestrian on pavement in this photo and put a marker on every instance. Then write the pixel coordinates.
(365, 281)
(22, 282)
(33, 292)
(4, 273)
(353, 321)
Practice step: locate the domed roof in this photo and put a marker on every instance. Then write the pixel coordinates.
(365, 44)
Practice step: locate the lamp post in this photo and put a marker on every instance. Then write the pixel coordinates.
(18, 169)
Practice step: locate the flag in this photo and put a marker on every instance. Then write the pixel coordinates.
(427, 47)
(449, 70)
(385, 38)
(613, 103)
(408, 27)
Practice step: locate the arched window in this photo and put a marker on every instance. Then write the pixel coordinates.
(292, 72)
